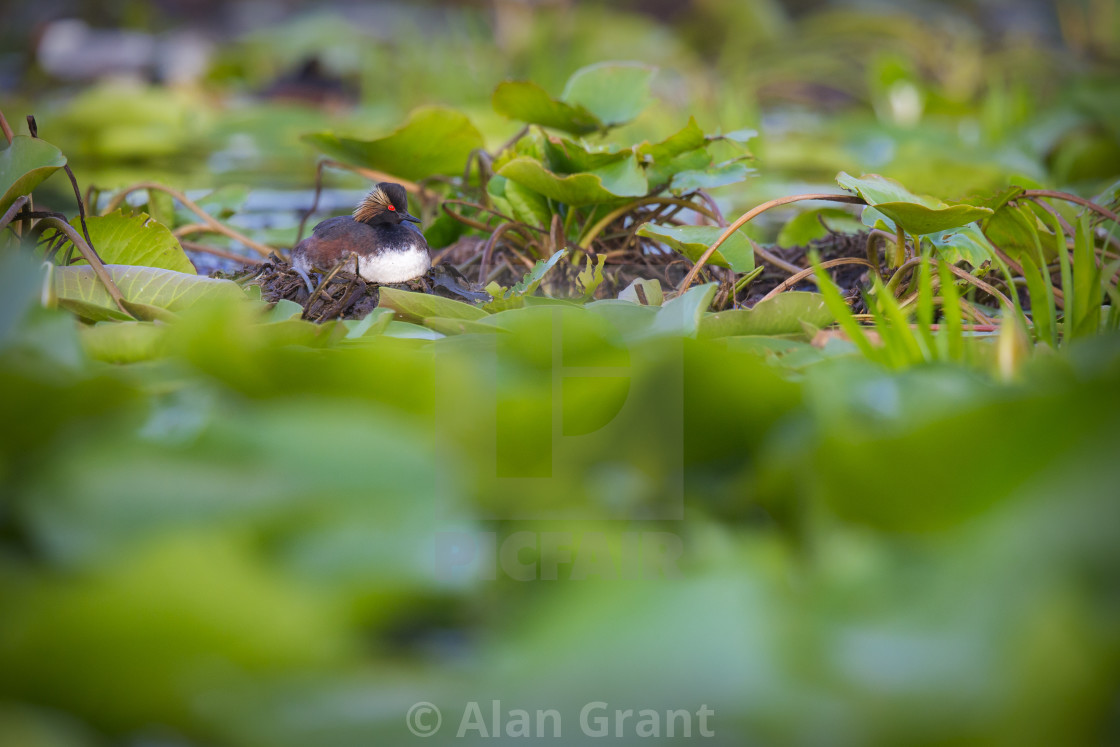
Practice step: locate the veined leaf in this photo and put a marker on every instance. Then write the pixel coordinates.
(24, 165)
(134, 240)
(528, 102)
(79, 290)
(784, 314)
(424, 305)
(434, 140)
(692, 241)
(615, 92)
(918, 214)
(621, 179)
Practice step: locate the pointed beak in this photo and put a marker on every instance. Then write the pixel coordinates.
(408, 217)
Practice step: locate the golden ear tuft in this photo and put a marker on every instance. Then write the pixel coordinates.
(375, 203)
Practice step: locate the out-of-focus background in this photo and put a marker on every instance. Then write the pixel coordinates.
(943, 96)
(240, 529)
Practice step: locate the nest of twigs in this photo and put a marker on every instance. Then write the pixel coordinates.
(340, 294)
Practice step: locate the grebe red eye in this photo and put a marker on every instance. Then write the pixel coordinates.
(392, 208)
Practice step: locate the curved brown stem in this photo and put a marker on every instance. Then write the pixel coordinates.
(1075, 199)
(488, 250)
(90, 256)
(194, 246)
(189, 204)
(795, 279)
(751, 215)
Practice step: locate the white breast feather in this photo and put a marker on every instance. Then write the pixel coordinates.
(394, 266)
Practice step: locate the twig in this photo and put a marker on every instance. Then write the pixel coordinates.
(10, 214)
(751, 215)
(194, 246)
(217, 226)
(90, 256)
(488, 250)
(589, 236)
(795, 279)
(6, 128)
(773, 259)
(1073, 198)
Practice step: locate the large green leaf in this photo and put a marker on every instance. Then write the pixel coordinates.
(24, 165)
(917, 214)
(528, 102)
(689, 138)
(966, 243)
(568, 156)
(710, 178)
(615, 92)
(145, 288)
(692, 241)
(528, 205)
(135, 240)
(783, 314)
(816, 224)
(424, 305)
(434, 140)
(621, 179)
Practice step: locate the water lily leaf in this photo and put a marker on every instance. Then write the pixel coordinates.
(784, 314)
(434, 140)
(224, 201)
(811, 225)
(689, 138)
(643, 291)
(681, 316)
(528, 102)
(134, 240)
(459, 326)
(79, 290)
(570, 157)
(424, 305)
(24, 165)
(966, 243)
(918, 214)
(529, 206)
(615, 92)
(621, 179)
(371, 325)
(692, 241)
(532, 280)
(710, 178)
(123, 342)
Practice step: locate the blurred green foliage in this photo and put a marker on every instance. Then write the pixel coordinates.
(234, 539)
(231, 526)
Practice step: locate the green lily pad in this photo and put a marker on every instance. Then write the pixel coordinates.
(135, 240)
(709, 178)
(784, 314)
(615, 92)
(459, 326)
(692, 241)
(434, 140)
(967, 243)
(529, 206)
(689, 138)
(808, 226)
(424, 305)
(528, 102)
(917, 214)
(621, 179)
(24, 165)
(144, 288)
(571, 157)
